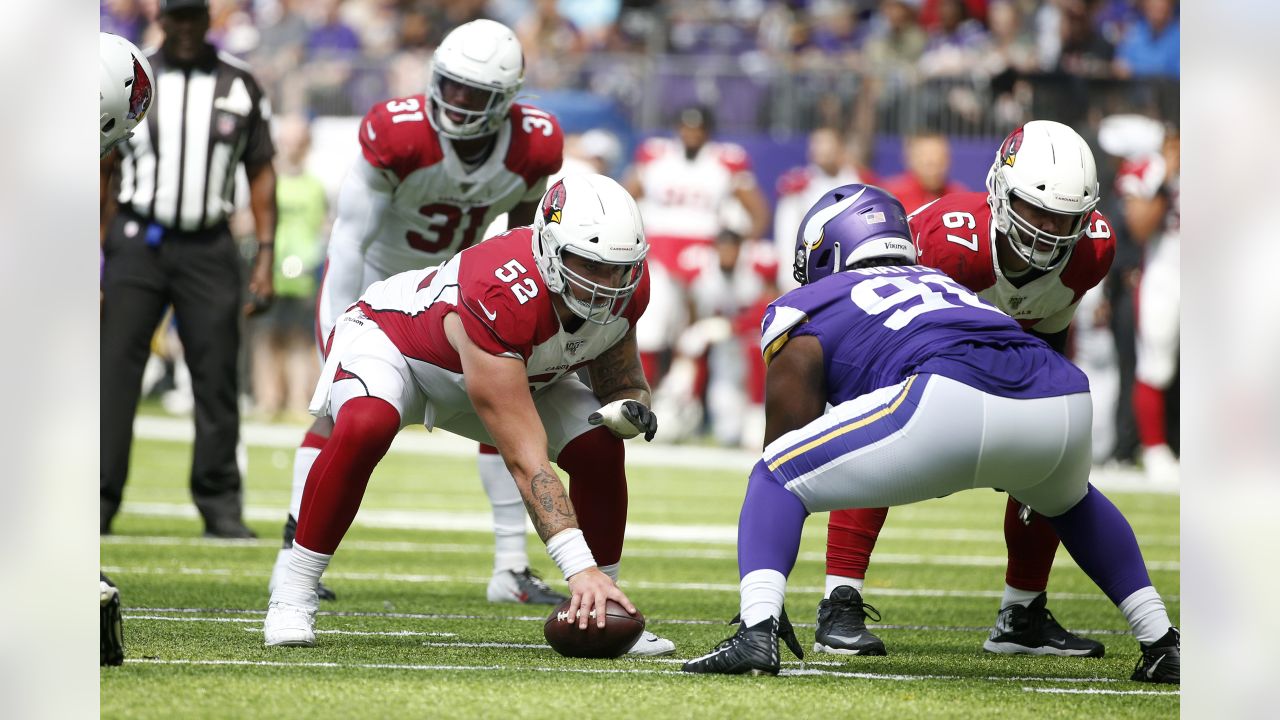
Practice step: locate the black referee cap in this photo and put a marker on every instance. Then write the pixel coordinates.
(171, 5)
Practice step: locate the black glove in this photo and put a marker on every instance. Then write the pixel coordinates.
(626, 418)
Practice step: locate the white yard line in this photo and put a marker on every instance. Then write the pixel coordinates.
(638, 453)
(542, 618)
(789, 670)
(1099, 691)
(637, 584)
(881, 558)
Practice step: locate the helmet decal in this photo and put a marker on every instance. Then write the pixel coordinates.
(139, 92)
(553, 203)
(1009, 149)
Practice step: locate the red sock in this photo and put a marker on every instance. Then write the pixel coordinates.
(363, 433)
(1031, 549)
(851, 536)
(488, 449)
(1148, 411)
(651, 362)
(598, 491)
(314, 440)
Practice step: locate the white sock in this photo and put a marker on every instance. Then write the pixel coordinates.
(835, 581)
(509, 513)
(1146, 614)
(1014, 596)
(303, 459)
(298, 586)
(762, 594)
(611, 571)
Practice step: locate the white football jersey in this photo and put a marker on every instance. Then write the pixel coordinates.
(440, 207)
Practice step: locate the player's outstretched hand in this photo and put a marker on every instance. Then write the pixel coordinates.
(626, 419)
(591, 589)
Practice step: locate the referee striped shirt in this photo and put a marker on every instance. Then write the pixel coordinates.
(179, 168)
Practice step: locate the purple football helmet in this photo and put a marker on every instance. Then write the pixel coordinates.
(850, 224)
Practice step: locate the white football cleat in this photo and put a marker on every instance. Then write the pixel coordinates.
(289, 626)
(650, 645)
(1160, 464)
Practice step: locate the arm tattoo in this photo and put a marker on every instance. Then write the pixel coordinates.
(549, 505)
(617, 374)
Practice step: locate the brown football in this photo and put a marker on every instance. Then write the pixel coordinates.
(620, 632)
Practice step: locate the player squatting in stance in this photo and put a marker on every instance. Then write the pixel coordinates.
(486, 346)
(1032, 245)
(435, 171)
(933, 391)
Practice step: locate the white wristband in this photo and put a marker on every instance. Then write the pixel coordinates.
(568, 548)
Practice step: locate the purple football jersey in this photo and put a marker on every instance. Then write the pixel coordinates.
(880, 325)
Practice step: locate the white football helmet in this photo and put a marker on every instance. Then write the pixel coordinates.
(484, 57)
(1048, 165)
(593, 217)
(126, 87)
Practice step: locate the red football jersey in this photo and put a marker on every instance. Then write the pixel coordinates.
(439, 205)
(497, 291)
(957, 235)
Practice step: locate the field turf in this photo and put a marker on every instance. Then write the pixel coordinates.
(411, 634)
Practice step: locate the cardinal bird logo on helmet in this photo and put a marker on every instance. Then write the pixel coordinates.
(1009, 150)
(553, 203)
(139, 92)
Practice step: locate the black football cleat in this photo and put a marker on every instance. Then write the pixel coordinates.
(1032, 630)
(842, 625)
(1161, 661)
(751, 651)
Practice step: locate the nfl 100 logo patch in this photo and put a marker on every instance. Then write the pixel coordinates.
(1016, 301)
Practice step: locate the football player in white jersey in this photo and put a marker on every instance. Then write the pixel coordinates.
(487, 346)
(435, 170)
(685, 187)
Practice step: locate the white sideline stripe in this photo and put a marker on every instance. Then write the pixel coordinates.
(636, 584)
(484, 549)
(258, 629)
(1100, 691)
(483, 522)
(802, 671)
(539, 618)
(642, 454)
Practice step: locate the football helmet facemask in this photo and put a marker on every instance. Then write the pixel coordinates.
(475, 75)
(594, 218)
(1048, 165)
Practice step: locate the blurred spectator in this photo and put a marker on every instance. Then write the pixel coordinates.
(896, 40)
(1151, 45)
(1012, 47)
(928, 161)
(1084, 52)
(124, 18)
(552, 46)
(284, 362)
(331, 51)
(955, 47)
(836, 33)
(799, 188)
(282, 41)
(684, 187)
(932, 13)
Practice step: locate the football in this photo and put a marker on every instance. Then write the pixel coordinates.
(620, 632)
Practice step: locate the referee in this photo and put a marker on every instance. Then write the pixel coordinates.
(166, 241)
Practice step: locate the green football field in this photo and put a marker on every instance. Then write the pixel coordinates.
(411, 634)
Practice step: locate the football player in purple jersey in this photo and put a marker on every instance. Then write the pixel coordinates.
(932, 391)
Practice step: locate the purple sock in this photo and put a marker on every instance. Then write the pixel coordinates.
(1102, 543)
(769, 526)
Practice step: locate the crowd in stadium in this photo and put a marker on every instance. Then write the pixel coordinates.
(910, 95)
